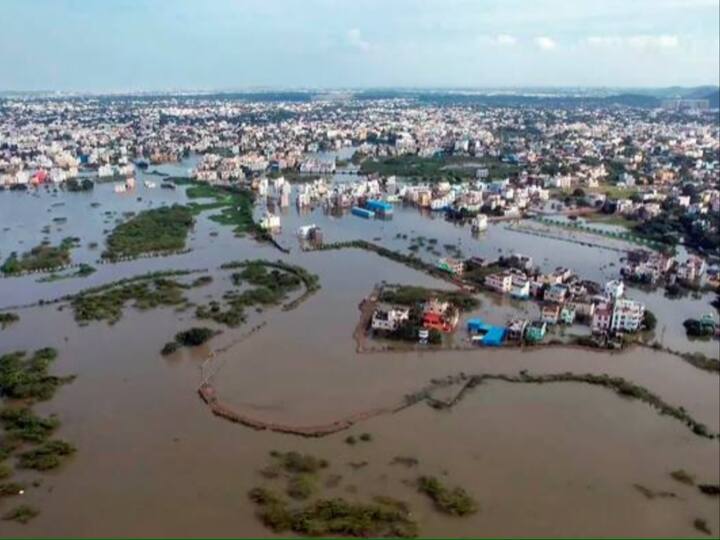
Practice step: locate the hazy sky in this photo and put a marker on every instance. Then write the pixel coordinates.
(113, 45)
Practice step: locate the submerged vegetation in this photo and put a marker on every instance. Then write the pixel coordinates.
(49, 455)
(455, 501)
(22, 514)
(272, 283)
(23, 424)
(6, 319)
(621, 386)
(25, 435)
(154, 230)
(107, 303)
(42, 257)
(28, 378)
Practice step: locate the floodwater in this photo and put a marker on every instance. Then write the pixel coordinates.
(554, 459)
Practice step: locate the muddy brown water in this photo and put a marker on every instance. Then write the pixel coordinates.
(555, 459)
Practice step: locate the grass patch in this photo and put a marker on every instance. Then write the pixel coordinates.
(408, 295)
(157, 229)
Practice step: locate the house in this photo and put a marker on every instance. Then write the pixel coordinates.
(520, 287)
(627, 316)
(601, 318)
(615, 288)
(567, 314)
(389, 318)
(485, 334)
(535, 331)
(440, 315)
(500, 282)
(584, 308)
(556, 293)
(692, 269)
(270, 221)
(516, 329)
(550, 313)
(450, 265)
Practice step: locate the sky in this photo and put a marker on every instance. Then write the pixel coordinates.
(146, 45)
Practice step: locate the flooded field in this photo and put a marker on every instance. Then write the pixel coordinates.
(554, 459)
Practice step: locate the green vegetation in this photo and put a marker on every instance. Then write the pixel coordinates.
(674, 223)
(408, 295)
(157, 229)
(295, 462)
(22, 514)
(107, 304)
(271, 288)
(437, 168)
(28, 378)
(42, 257)
(49, 455)
(455, 501)
(699, 328)
(610, 219)
(366, 437)
(301, 486)
(194, 336)
(235, 205)
(335, 517)
(23, 424)
(710, 489)
(76, 184)
(6, 319)
(83, 270)
(188, 338)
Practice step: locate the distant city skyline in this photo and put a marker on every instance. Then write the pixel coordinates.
(160, 45)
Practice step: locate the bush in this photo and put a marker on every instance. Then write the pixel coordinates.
(301, 487)
(454, 501)
(194, 336)
(169, 348)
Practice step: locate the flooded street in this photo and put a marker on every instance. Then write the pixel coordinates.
(556, 459)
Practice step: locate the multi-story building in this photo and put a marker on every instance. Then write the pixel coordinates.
(627, 316)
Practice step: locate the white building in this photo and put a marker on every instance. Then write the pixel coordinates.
(615, 288)
(627, 316)
(501, 282)
(389, 319)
